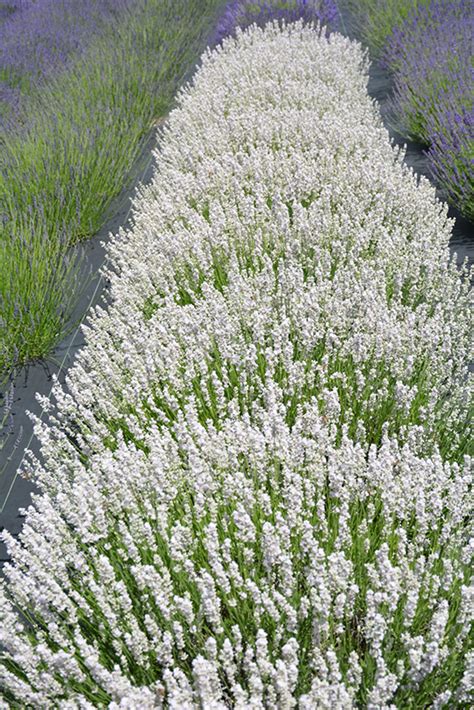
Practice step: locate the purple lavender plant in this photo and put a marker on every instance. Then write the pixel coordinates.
(431, 56)
(242, 13)
(451, 153)
(431, 51)
(38, 37)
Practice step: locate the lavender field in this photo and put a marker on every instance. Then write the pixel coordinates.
(253, 486)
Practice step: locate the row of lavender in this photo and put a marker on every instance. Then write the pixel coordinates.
(428, 46)
(81, 86)
(255, 491)
(40, 37)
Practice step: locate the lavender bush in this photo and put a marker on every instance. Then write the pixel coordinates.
(431, 55)
(73, 141)
(40, 36)
(255, 486)
(242, 13)
(451, 151)
(427, 45)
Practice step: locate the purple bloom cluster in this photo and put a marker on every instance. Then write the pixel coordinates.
(431, 56)
(451, 152)
(41, 36)
(242, 13)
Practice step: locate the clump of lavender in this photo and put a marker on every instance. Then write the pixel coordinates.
(431, 57)
(428, 53)
(374, 20)
(242, 13)
(84, 112)
(38, 38)
(451, 151)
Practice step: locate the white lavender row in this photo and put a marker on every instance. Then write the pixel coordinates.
(256, 486)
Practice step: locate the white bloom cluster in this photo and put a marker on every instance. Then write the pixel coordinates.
(255, 487)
